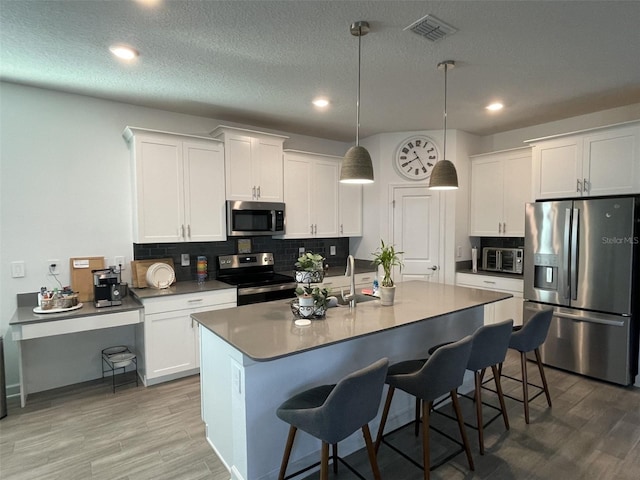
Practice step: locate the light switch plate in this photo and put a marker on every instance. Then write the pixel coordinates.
(17, 269)
(301, 251)
(185, 261)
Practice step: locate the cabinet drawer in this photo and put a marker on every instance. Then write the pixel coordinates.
(189, 301)
(490, 282)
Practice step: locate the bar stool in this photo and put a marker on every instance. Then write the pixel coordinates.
(333, 412)
(427, 380)
(525, 339)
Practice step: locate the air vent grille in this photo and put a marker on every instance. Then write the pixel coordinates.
(431, 28)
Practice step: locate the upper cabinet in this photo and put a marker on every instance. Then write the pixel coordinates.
(253, 164)
(178, 187)
(317, 204)
(500, 188)
(597, 162)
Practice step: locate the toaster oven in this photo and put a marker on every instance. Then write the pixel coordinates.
(508, 260)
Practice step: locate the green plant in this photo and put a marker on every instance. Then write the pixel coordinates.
(387, 256)
(319, 295)
(310, 262)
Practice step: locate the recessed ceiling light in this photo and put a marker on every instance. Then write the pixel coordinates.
(124, 52)
(494, 107)
(321, 102)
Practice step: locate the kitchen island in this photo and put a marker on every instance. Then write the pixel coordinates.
(254, 357)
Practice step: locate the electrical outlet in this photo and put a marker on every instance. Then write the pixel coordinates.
(119, 262)
(53, 267)
(185, 261)
(332, 250)
(17, 269)
(301, 251)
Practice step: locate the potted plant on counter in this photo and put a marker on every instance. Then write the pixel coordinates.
(387, 256)
(309, 268)
(312, 301)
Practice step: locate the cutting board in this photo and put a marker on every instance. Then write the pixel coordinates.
(139, 270)
(81, 276)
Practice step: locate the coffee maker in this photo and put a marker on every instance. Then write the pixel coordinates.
(107, 290)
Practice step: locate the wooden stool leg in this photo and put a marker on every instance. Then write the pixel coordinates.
(496, 378)
(525, 386)
(478, 400)
(334, 457)
(544, 379)
(287, 452)
(383, 420)
(416, 427)
(463, 433)
(371, 451)
(426, 456)
(324, 462)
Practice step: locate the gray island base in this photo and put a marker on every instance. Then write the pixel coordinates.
(254, 357)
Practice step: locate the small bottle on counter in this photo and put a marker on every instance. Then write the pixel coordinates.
(375, 286)
(201, 268)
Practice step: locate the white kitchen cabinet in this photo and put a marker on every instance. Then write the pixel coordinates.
(318, 205)
(604, 161)
(500, 188)
(169, 339)
(178, 183)
(498, 311)
(253, 164)
(311, 194)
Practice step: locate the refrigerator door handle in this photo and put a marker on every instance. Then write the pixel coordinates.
(565, 265)
(578, 318)
(575, 225)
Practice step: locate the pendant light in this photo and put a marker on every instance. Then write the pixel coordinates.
(356, 165)
(444, 175)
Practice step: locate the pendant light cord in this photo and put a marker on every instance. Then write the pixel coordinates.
(444, 149)
(358, 93)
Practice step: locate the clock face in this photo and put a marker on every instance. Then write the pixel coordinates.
(415, 158)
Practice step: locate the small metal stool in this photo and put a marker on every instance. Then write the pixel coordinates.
(116, 358)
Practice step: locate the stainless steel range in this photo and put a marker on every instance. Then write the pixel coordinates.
(255, 278)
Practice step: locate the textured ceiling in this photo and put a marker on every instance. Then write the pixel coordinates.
(261, 62)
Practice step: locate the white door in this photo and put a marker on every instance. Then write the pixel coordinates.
(416, 232)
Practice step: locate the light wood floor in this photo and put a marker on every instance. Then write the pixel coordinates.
(87, 432)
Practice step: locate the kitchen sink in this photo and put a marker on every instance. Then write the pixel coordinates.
(360, 298)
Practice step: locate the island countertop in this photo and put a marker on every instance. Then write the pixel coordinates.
(266, 331)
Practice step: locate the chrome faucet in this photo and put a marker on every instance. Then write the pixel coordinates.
(349, 272)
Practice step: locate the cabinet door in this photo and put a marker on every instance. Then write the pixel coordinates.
(517, 192)
(557, 168)
(612, 162)
(169, 343)
(238, 167)
(297, 188)
(486, 197)
(267, 169)
(350, 210)
(204, 191)
(159, 184)
(324, 197)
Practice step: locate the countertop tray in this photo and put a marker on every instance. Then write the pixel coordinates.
(57, 310)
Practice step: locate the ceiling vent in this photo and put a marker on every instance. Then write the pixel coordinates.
(431, 28)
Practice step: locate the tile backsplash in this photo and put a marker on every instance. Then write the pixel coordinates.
(285, 252)
(501, 242)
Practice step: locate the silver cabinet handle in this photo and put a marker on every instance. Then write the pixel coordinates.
(586, 185)
(258, 192)
(499, 227)
(504, 227)
(578, 186)
(195, 300)
(253, 192)
(182, 231)
(341, 229)
(311, 229)
(489, 282)
(315, 228)
(189, 230)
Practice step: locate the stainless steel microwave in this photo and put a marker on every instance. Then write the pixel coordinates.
(245, 219)
(507, 260)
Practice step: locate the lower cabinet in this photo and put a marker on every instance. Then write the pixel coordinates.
(498, 311)
(168, 338)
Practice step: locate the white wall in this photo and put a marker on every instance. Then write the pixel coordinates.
(65, 185)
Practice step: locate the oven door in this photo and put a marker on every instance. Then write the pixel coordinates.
(266, 293)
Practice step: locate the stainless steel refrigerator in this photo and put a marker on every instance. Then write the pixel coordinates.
(581, 258)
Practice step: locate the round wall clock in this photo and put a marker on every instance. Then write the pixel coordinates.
(415, 157)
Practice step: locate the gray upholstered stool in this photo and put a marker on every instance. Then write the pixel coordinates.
(526, 339)
(427, 380)
(333, 412)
